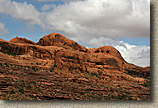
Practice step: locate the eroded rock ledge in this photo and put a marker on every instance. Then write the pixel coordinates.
(68, 54)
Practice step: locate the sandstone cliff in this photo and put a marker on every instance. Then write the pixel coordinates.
(68, 54)
(57, 62)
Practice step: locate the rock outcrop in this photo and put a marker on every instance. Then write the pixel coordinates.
(68, 71)
(69, 55)
(56, 39)
(22, 40)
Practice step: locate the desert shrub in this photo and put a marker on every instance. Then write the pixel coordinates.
(101, 69)
(21, 90)
(34, 83)
(45, 63)
(38, 63)
(6, 64)
(55, 65)
(34, 68)
(145, 85)
(51, 69)
(12, 54)
(12, 91)
(94, 74)
(94, 55)
(87, 71)
(121, 97)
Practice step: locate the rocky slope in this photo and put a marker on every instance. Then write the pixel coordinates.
(63, 69)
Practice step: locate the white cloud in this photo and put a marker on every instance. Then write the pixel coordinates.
(108, 18)
(23, 11)
(48, 7)
(3, 30)
(87, 19)
(138, 55)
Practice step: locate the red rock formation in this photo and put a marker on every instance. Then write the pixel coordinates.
(61, 65)
(56, 39)
(107, 51)
(68, 54)
(22, 40)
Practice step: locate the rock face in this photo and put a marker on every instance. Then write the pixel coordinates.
(107, 51)
(56, 39)
(68, 54)
(68, 65)
(22, 40)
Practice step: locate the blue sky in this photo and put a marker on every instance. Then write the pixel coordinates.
(92, 23)
(136, 41)
(38, 5)
(19, 28)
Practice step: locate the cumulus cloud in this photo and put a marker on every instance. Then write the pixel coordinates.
(23, 11)
(3, 30)
(108, 18)
(48, 7)
(87, 19)
(138, 55)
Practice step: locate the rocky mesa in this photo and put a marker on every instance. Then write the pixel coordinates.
(59, 68)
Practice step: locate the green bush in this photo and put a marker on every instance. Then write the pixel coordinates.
(21, 90)
(12, 54)
(55, 65)
(12, 91)
(145, 85)
(51, 69)
(6, 64)
(34, 83)
(34, 68)
(87, 71)
(94, 74)
(121, 97)
(38, 63)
